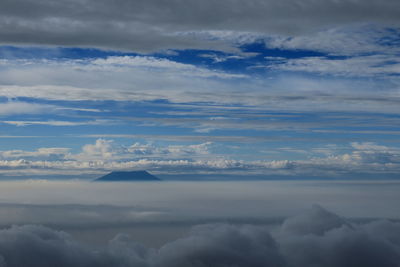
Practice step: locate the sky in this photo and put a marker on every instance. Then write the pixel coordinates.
(205, 89)
(275, 126)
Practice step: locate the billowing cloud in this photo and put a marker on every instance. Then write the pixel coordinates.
(108, 150)
(222, 245)
(316, 238)
(320, 238)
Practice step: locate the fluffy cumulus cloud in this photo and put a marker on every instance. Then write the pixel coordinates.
(107, 155)
(108, 150)
(367, 155)
(315, 238)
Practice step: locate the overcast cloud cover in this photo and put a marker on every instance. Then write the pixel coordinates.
(314, 238)
(148, 26)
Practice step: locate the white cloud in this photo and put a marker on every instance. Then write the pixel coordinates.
(101, 150)
(51, 153)
(363, 66)
(117, 63)
(18, 107)
(149, 78)
(369, 146)
(349, 40)
(106, 155)
(58, 123)
(114, 78)
(190, 150)
(108, 150)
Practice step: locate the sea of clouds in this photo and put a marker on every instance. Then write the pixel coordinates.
(199, 224)
(316, 237)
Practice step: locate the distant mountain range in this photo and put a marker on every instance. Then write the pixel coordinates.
(127, 176)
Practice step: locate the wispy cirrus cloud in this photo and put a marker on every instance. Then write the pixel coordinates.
(140, 79)
(358, 66)
(19, 107)
(58, 123)
(347, 40)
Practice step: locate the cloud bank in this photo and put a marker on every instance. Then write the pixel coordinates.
(155, 25)
(106, 155)
(315, 238)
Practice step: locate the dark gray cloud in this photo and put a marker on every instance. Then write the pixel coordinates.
(154, 25)
(320, 238)
(316, 238)
(222, 245)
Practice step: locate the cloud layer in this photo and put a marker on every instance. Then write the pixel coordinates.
(145, 78)
(155, 25)
(315, 238)
(359, 158)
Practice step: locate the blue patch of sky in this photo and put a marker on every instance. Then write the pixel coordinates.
(391, 39)
(141, 118)
(230, 63)
(260, 54)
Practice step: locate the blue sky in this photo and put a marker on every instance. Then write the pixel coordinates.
(236, 94)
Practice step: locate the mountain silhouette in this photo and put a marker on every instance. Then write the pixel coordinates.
(127, 176)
